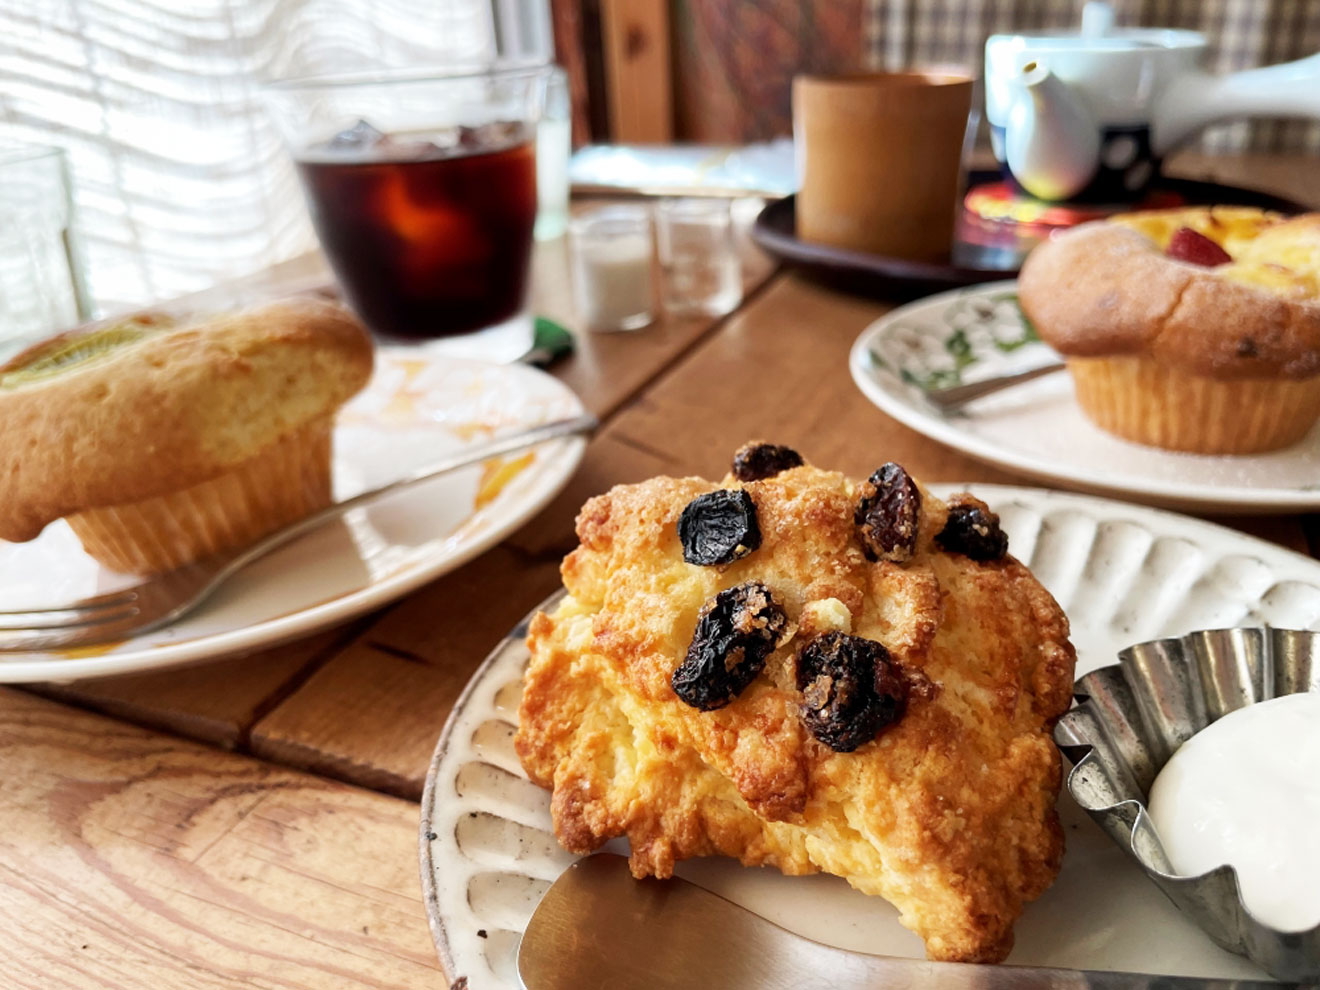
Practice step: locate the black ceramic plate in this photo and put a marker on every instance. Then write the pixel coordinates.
(888, 277)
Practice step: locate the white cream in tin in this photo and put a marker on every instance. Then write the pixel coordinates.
(1246, 791)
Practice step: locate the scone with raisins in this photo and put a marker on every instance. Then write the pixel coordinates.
(800, 670)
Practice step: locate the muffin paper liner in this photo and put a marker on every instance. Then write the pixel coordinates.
(1141, 400)
(288, 480)
(1132, 716)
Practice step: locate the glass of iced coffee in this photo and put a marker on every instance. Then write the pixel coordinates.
(422, 190)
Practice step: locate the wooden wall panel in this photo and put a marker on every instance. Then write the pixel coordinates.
(635, 37)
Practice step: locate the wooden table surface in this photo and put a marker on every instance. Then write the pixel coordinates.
(253, 821)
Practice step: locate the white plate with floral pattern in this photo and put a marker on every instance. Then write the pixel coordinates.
(418, 407)
(1037, 428)
(1123, 573)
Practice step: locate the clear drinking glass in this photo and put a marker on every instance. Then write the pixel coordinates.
(554, 147)
(41, 282)
(422, 189)
(698, 256)
(611, 255)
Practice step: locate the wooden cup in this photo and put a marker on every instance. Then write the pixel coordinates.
(880, 156)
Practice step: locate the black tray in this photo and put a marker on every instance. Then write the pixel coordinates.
(888, 277)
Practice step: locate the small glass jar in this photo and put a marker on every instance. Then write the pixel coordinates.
(698, 256)
(611, 255)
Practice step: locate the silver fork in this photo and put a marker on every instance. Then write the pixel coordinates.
(955, 397)
(165, 597)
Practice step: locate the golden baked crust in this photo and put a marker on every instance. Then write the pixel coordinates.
(171, 409)
(1106, 288)
(948, 813)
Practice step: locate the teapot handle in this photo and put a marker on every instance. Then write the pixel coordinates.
(1196, 100)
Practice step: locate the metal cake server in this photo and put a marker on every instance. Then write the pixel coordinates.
(597, 927)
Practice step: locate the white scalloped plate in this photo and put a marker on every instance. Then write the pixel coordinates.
(419, 406)
(1037, 428)
(1123, 573)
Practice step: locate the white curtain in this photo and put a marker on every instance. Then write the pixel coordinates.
(180, 180)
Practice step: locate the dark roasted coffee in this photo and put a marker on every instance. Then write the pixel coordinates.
(428, 237)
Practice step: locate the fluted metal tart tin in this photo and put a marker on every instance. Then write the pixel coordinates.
(1129, 720)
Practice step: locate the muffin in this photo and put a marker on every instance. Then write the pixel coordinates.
(803, 671)
(162, 444)
(1194, 329)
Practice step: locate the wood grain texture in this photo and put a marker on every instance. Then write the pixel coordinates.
(215, 702)
(370, 717)
(132, 861)
(635, 34)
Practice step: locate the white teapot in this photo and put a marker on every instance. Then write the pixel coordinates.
(1089, 115)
